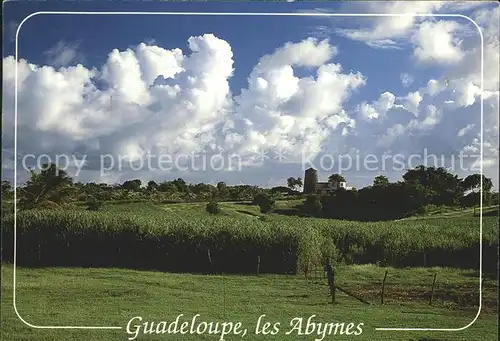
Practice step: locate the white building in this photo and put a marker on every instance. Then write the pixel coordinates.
(323, 188)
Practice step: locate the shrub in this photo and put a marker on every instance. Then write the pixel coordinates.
(265, 202)
(7, 208)
(94, 205)
(258, 198)
(213, 207)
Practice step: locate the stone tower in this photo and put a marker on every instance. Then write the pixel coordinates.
(310, 181)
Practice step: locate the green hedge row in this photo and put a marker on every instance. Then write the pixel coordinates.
(211, 244)
(200, 244)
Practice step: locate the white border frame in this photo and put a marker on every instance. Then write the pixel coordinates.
(254, 14)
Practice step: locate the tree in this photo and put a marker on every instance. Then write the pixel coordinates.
(264, 201)
(380, 181)
(213, 207)
(181, 185)
(293, 183)
(242, 192)
(471, 199)
(494, 198)
(132, 185)
(167, 187)
(6, 189)
(473, 183)
(152, 186)
(336, 178)
(221, 186)
(203, 191)
(280, 189)
(51, 186)
(222, 189)
(341, 204)
(445, 187)
(299, 182)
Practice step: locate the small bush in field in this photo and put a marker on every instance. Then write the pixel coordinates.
(213, 207)
(265, 202)
(94, 205)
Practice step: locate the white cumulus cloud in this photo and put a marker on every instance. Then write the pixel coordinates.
(435, 43)
(153, 100)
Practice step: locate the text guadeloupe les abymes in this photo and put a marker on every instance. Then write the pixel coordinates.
(196, 326)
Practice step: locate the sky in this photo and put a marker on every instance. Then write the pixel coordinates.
(250, 99)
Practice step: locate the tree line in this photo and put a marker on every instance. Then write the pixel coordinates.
(420, 188)
(51, 187)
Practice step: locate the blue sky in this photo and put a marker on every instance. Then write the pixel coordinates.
(385, 85)
(243, 33)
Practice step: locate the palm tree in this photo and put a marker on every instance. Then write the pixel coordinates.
(336, 178)
(50, 186)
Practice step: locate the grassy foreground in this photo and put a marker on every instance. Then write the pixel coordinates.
(111, 297)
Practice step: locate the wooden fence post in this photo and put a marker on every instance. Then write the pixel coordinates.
(258, 265)
(383, 288)
(333, 286)
(210, 264)
(331, 280)
(432, 292)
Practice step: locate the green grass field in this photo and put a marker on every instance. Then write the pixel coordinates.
(233, 209)
(111, 297)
